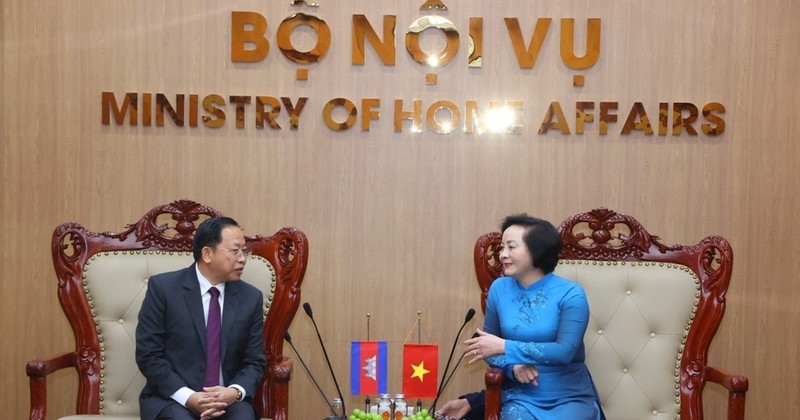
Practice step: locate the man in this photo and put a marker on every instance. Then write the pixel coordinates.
(186, 378)
(471, 406)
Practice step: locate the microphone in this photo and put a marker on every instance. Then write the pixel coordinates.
(288, 339)
(470, 314)
(307, 308)
(456, 367)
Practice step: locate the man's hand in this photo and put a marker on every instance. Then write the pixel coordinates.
(454, 409)
(211, 402)
(228, 395)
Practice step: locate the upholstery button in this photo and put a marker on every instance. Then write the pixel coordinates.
(146, 280)
(628, 293)
(624, 370)
(119, 402)
(599, 332)
(121, 321)
(652, 335)
(655, 412)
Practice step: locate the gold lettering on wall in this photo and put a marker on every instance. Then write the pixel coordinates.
(680, 121)
(568, 44)
(447, 126)
(526, 57)
(718, 126)
(248, 45)
(147, 101)
(516, 124)
(475, 58)
(414, 115)
(432, 22)
(663, 118)
(270, 116)
(637, 120)
(240, 102)
(162, 103)
(193, 104)
(249, 42)
(216, 116)
(350, 108)
(363, 31)
(313, 55)
(433, 4)
(581, 116)
(109, 104)
(267, 109)
(368, 112)
(442, 116)
(560, 121)
(294, 111)
(306, 2)
(607, 115)
(472, 119)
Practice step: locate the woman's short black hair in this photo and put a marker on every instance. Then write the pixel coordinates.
(209, 234)
(541, 238)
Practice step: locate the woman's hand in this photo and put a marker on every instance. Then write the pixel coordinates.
(526, 374)
(484, 345)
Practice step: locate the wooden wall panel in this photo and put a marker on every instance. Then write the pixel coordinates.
(392, 217)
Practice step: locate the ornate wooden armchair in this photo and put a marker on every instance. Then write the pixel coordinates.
(654, 311)
(102, 279)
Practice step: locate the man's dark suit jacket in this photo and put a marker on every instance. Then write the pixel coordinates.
(171, 338)
(477, 403)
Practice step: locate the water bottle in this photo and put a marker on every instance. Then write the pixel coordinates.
(400, 407)
(338, 408)
(385, 407)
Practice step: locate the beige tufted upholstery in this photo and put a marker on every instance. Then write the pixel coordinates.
(115, 284)
(640, 314)
(102, 280)
(654, 311)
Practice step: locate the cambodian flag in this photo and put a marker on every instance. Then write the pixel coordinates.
(368, 367)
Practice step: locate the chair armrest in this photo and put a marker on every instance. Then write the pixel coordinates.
(37, 371)
(493, 379)
(280, 373)
(282, 370)
(736, 385)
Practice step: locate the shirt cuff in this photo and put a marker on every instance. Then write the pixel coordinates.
(182, 395)
(241, 391)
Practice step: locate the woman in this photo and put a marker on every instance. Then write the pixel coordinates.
(533, 330)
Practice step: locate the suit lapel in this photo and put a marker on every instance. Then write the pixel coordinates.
(194, 304)
(231, 305)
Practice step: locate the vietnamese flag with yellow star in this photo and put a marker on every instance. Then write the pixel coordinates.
(420, 370)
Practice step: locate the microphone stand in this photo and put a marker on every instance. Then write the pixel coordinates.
(288, 339)
(307, 309)
(455, 368)
(470, 314)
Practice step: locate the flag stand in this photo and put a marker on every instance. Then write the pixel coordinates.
(368, 367)
(419, 341)
(418, 324)
(423, 353)
(367, 402)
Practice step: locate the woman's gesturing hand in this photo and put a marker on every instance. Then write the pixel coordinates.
(483, 346)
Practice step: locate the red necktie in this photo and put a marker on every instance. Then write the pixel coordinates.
(213, 333)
